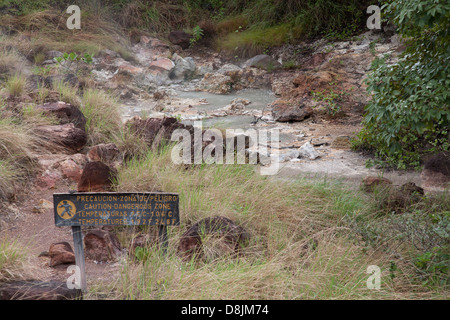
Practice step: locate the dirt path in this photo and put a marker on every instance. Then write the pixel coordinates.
(37, 231)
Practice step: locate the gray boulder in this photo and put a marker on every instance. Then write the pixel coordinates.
(307, 151)
(184, 68)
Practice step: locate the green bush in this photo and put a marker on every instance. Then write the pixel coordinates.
(408, 115)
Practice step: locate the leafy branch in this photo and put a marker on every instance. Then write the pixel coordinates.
(70, 60)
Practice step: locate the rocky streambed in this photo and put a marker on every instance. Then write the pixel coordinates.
(260, 93)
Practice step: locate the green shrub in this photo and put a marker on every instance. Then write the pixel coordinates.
(408, 115)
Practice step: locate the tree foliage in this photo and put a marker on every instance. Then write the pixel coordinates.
(408, 115)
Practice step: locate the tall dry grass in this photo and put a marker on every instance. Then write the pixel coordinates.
(19, 144)
(10, 61)
(15, 263)
(304, 244)
(15, 85)
(41, 31)
(103, 120)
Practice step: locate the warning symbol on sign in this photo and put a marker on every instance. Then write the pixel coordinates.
(66, 209)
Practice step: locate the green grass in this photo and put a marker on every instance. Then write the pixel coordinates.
(255, 41)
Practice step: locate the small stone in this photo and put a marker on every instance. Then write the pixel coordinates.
(162, 65)
(307, 151)
(42, 206)
(61, 253)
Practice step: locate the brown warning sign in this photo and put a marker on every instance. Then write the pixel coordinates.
(116, 209)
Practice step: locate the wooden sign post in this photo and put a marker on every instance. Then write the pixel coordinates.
(114, 209)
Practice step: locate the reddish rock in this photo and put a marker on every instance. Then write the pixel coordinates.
(191, 242)
(65, 113)
(285, 111)
(162, 65)
(61, 253)
(70, 170)
(101, 245)
(107, 153)
(48, 179)
(67, 136)
(153, 42)
(96, 177)
(129, 69)
(56, 167)
(180, 38)
(369, 184)
(38, 290)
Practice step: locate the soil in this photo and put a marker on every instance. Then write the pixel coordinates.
(37, 231)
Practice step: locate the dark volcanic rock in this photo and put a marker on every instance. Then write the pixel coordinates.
(191, 242)
(180, 38)
(38, 290)
(156, 129)
(66, 135)
(65, 113)
(96, 177)
(61, 253)
(102, 245)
